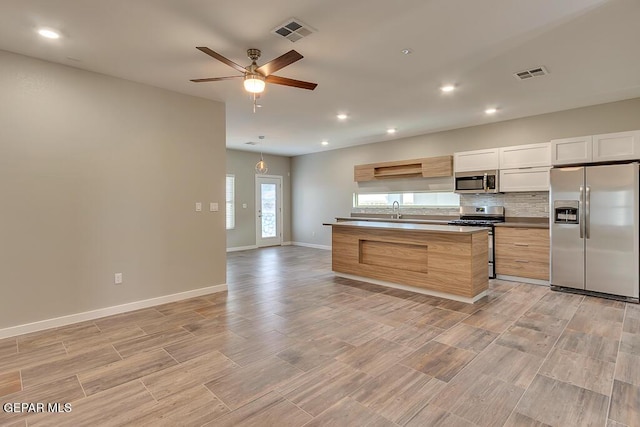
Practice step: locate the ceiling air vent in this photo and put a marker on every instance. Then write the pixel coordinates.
(293, 29)
(530, 73)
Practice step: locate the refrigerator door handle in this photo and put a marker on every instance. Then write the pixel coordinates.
(581, 212)
(587, 214)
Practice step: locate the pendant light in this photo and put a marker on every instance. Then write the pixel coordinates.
(261, 166)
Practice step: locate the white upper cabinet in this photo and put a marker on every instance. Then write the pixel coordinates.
(616, 146)
(597, 148)
(478, 160)
(571, 150)
(528, 179)
(525, 156)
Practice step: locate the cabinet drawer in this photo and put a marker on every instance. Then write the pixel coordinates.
(522, 236)
(520, 251)
(523, 268)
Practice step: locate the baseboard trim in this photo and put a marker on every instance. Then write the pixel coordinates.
(286, 243)
(312, 245)
(522, 279)
(242, 248)
(413, 288)
(107, 311)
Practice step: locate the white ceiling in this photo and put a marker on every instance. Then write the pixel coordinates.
(590, 48)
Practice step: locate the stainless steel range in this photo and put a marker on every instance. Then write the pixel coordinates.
(482, 216)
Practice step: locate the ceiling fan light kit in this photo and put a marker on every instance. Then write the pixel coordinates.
(254, 83)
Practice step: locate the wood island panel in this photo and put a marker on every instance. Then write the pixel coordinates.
(446, 262)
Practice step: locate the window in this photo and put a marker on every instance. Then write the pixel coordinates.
(416, 199)
(230, 208)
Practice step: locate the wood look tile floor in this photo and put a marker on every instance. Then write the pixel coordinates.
(292, 345)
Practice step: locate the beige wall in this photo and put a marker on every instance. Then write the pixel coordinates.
(323, 184)
(99, 175)
(242, 164)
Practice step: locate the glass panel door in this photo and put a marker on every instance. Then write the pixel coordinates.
(269, 211)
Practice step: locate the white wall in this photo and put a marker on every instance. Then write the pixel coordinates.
(323, 186)
(99, 175)
(242, 164)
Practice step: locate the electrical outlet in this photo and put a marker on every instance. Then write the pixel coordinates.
(117, 279)
(198, 207)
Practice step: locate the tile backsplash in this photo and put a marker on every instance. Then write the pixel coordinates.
(532, 204)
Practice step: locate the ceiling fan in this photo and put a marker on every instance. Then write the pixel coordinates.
(256, 76)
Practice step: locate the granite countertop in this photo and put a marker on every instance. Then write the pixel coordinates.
(524, 223)
(390, 225)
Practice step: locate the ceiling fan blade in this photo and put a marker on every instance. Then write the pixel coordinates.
(215, 79)
(279, 63)
(221, 58)
(291, 82)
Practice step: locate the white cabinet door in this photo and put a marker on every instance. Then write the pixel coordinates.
(616, 146)
(531, 179)
(571, 150)
(478, 160)
(525, 156)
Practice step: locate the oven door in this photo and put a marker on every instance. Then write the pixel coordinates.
(476, 182)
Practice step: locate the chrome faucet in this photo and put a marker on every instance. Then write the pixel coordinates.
(396, 210)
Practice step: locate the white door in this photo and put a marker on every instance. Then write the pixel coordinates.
(269, 210)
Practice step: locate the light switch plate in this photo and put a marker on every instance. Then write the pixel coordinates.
(213, 207)
(244, 206)
(198, 207)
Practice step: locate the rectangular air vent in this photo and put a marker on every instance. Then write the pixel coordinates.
(530, 73)
(293, 30)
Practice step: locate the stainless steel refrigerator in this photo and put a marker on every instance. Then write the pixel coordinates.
(594, 229)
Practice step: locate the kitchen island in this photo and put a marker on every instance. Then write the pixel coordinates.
(442, 260)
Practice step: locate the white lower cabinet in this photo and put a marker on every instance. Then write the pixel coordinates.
(529, 179)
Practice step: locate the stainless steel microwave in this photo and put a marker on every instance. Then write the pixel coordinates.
(476, 182)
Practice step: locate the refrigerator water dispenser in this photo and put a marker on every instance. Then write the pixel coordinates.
(566, 212)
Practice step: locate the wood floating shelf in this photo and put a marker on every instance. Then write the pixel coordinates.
(429, 167)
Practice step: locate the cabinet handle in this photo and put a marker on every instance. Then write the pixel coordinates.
(521, 244)
(522, 261)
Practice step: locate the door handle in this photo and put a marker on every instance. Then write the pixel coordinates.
(580, 209)
(587, 212)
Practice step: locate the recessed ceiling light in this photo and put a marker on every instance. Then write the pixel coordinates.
(407, 51)
(342, 116)
(447, 88)
(325, 143)
(391, 131)
(50, 34)
(490, 110)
